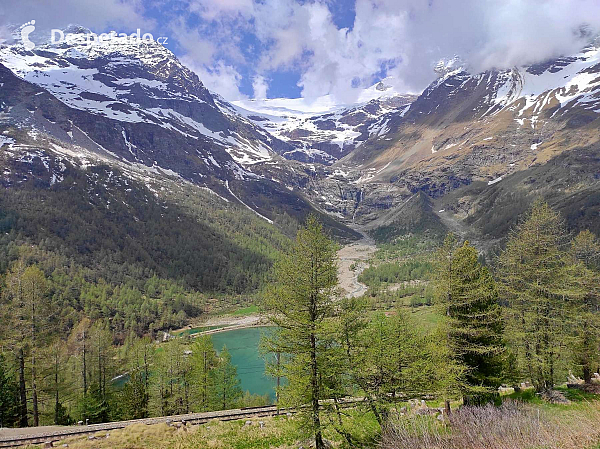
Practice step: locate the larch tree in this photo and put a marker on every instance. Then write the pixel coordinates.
(57, 353)
(139, 357)
(134, 396)
(466, 294)
(300, 303)
(204, 360)
(37, 307)
(9, 395)
(225, 382)
(28, 310)
(539, 283)
(16, 328)
(585, 250)
(392, 362)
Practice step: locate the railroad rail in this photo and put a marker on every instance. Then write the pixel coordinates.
(41, 437)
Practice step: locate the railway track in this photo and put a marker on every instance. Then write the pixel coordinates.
(41, 437)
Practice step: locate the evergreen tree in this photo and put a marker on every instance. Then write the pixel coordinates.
(93, 407)
(539, 282)
(301, 302)
(134, 397)
(467, 296)
(225, 382)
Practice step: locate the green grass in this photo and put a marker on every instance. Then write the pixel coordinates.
(285, 432)
(426, 316)
(577, 398)
(529, 395)
(278, 432)
(245, 311)
(575, 395)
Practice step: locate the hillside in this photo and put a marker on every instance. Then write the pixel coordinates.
(479, 129)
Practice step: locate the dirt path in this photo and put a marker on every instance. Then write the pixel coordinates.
(356, 253)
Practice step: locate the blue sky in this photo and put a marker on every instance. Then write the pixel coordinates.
(309, 48)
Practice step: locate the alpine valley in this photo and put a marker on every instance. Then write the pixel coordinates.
(129, 144)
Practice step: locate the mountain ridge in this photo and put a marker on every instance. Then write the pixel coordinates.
(356, 162)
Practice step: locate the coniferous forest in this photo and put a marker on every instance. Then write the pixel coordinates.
(76, 348)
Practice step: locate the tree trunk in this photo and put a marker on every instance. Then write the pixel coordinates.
(22, 390)
(278, 381)
(56, 399)
(34, 396)
(205, 386)
(315, 393)
(587, 374)
(84, 368)
(447, 409)
(36, 415)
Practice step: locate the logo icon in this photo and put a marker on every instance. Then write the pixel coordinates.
(26, 30)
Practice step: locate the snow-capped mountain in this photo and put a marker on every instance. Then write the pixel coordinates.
(466, 114)
(480, 129)
(139, 83)
(323, 130)
(135, 106)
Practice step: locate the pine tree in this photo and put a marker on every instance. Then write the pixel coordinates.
(225, 382)
(539, 284)
(467, 296)
(301, 302)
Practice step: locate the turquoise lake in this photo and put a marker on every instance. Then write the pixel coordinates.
(243, 344)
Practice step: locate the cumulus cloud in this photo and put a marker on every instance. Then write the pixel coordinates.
(260, 86)
(404, 38)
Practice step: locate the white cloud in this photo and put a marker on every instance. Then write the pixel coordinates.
(196, 46)
(401, 38)
(220, 78)
(212, 9)
(260, 85)
(406, 36)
